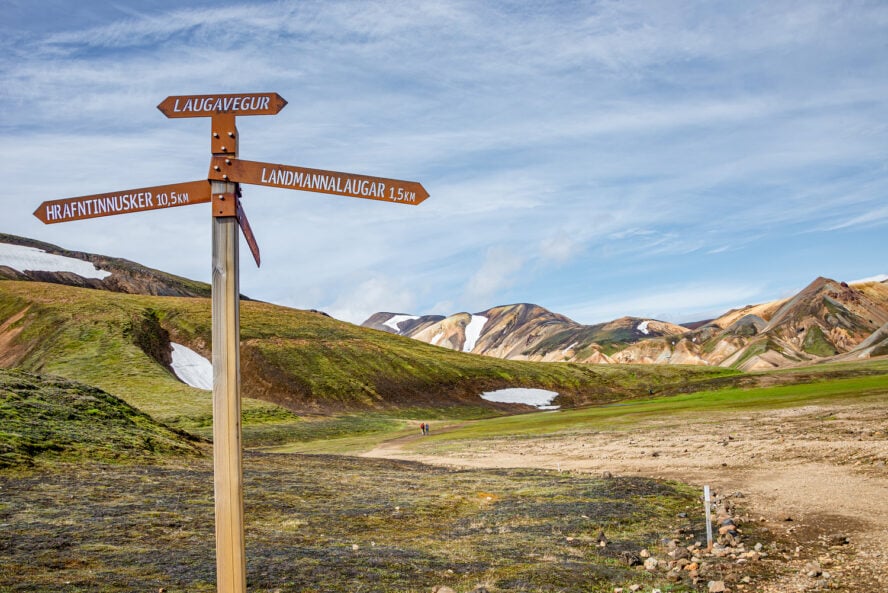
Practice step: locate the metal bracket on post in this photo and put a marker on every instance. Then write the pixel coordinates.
(224, 134)
(224, 204)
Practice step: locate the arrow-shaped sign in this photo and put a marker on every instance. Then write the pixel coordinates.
(317, 180)
(209, 105)
(124, 202)
(248, 232)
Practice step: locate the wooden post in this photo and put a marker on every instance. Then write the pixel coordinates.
(231, 565)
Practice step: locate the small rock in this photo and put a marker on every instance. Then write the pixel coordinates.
(630, 558)
(717, 587)
(644, 553)
(634, 588)
(480, 589)
(651, 564)
(679, 553)
(838, 539)
(812, 569)
(442, 589)
(607, 475)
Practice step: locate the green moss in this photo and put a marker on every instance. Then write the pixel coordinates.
(51, 418)
(816, 343)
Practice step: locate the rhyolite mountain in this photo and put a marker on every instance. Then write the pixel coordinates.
(827, 320)
(119, 275)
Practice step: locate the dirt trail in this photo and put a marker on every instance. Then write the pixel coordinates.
(806, 473)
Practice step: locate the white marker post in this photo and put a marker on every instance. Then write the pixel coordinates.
(707, 502)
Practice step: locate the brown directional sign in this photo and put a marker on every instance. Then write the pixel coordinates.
(317, 180)
(124, 202)
(248, 233)
(209, 105)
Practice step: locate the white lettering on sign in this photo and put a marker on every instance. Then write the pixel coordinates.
(98, 206)
(353, 186)
(221, 104)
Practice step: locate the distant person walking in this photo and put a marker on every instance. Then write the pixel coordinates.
(422, 428)
(427, 428)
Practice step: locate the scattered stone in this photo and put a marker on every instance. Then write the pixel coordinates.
(607, 475)
(644, 553)
(651, 564)
(480, 589)
(634, 588)
(838, 539)
(630, 558)
(717, 587)
(813, 569)
(442, 589)
(679, 553)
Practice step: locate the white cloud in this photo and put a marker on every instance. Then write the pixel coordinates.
(668, 303)
(371, 296)
(497, 272)
(600, 136)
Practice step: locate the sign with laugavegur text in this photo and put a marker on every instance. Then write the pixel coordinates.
(210, 105)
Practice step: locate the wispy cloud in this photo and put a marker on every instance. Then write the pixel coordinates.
(555, 138)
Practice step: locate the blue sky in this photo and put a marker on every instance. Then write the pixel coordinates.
(667, 159)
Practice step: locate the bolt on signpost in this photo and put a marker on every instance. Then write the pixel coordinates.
(222, 190)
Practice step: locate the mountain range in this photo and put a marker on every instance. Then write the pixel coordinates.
(826, 321)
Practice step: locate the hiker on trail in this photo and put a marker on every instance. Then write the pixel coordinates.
(427, 428)
(422, 428)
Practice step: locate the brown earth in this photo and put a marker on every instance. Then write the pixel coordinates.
(808, 474)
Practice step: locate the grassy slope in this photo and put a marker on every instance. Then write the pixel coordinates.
(303, 360)
(786, 388)
(842, 383)
(48, 418)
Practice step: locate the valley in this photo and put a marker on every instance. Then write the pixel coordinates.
(106, 470)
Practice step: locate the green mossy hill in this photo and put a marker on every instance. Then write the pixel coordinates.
(49, 418)
(302, 360)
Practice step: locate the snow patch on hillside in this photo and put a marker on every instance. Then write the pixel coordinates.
(437, 337)
(192, 368)
(539, 398)
(643, 327)
(31, 259)
(473, 332)
(396, 319)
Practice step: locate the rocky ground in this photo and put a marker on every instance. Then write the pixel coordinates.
(813, 476)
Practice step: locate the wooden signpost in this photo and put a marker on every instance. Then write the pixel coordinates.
(222, 189)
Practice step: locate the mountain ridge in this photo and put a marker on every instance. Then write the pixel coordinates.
(826, 320)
